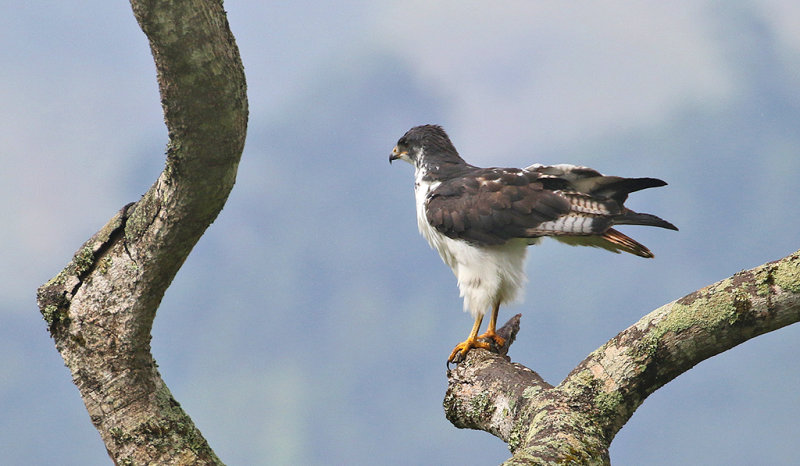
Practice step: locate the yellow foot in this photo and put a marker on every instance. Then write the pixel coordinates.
(461, 349)
(498, 340)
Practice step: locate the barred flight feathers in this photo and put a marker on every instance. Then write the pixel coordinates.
(490, 206)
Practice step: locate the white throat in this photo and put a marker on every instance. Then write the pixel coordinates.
(421, 190)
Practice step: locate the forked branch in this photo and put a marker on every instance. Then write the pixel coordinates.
(100, 308)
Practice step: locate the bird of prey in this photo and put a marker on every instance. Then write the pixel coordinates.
(481, 220)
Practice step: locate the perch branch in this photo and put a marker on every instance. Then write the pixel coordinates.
(576, 420)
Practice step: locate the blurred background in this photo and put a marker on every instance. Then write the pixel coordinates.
(311, 323)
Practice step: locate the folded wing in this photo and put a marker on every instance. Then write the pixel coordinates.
(576, 205)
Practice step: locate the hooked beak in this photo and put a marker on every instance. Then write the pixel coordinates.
(396, 154)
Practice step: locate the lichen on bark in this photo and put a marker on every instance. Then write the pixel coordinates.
(100, 307)
(575, 421)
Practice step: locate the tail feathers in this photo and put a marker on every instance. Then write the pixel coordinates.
(610, 240)
(626, 243)
(635, 218)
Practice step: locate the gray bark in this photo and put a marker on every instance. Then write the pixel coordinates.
(575, 421)
(100, 308)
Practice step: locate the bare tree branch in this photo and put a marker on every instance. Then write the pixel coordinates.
(100, 308)
(575, 421)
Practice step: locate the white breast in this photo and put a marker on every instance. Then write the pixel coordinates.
(486, 275)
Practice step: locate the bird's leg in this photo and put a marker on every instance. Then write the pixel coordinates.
(490, 331)
(461, 349)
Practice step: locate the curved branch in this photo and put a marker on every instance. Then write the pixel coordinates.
(578, 419)
(100, 308)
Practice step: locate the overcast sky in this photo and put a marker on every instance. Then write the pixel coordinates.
(311, 323)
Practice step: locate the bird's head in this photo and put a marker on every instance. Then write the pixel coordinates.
(425, 146)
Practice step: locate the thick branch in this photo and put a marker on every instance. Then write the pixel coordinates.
(100, 308)
(578, 419)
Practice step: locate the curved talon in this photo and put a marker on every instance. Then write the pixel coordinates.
(460, 351)
(491, 335)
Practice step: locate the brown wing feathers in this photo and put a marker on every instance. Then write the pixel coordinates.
(491, 206)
